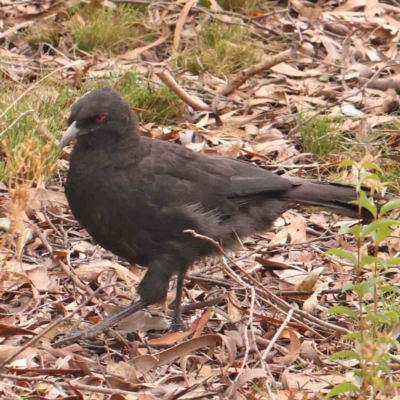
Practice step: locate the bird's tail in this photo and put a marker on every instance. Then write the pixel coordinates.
(332, 196)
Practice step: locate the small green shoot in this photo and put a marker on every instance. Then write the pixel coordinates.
(321, 136)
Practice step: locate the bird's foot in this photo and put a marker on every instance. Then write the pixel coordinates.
(103, 325)
(70, 337)
(177, 326)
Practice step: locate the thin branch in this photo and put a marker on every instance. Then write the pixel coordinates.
(247, 73)
(192, 101)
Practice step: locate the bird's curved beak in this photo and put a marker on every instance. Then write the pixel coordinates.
(71, 133)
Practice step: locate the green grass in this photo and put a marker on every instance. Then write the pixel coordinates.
(98, 30)
(113, 31)
(45, 109)
(41, 113)
(43, 32)
(222, 50)
(154, 103)
(321, 136)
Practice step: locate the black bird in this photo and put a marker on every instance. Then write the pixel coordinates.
(137, 196)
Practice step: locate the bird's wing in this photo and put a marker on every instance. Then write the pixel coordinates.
(179, 169)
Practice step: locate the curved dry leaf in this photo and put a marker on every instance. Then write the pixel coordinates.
(140, 321)
(251, 131)
(5, 224)
(314, 382)
(144, 364)
(392, 22)
(288, 70)
(339, 29)
(307, 12)
(294, 347)
(247, 376)
(230, 149)
(117, 383)
(332, 47)
(7, 331)
(280, 238)
(124, 370)
(84, 248)
(41, 279)
(304, 102)
(184, 368)
(285, 379)
(201, 323)
(239, 120)
(362, 70)
(234, 314)
(307, 49)
(39, 198)
(284, 148)
(308, 352)
(180, 24)
(7, 351)
(377, 120)
(138, 396)
(310, 281)
(90, 272)
(172, 338)
(268, 134)
(186, 348)
(236, 336)
(230, 346)
(297, 229)
(312, 302)
(351, 111)
(372, 10)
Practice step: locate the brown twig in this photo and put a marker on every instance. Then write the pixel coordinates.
(279, 304)
(277, 335)
(77, 281)
(169, 81)
(43, 238)
(247, 73)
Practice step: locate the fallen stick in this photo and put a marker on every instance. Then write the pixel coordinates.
(247, 73)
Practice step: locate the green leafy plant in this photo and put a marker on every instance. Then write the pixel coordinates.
(370, 341)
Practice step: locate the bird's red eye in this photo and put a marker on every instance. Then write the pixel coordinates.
(101, 118)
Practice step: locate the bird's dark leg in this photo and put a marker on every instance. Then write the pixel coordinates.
(152, 290)
(177, 323)
(103, 325)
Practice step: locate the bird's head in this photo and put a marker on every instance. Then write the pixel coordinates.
(98, 112)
